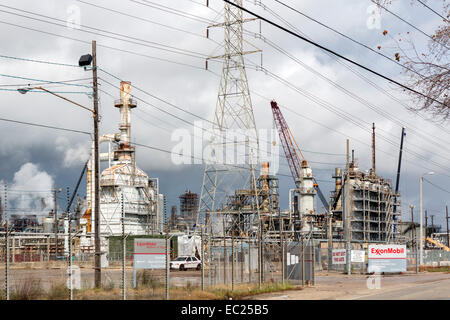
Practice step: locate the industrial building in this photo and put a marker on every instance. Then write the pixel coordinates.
(124, 188)
(188, 208)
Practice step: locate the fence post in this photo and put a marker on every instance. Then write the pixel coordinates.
(203, 260)
(224, 254)
(6, 245)
(210, 260)
(232, 260)
(303, 261)
(260, 255)
(282, 258)
(124, 254)
(242, 260)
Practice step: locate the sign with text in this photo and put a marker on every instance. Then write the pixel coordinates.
(338, 256)
(358, 256)
(387, 258)
(149, 253)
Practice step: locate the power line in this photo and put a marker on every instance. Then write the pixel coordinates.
(173, 11)
(432, 10)
(104, 46)
(440, 188)
(44, 126)
(145, 20)
(66, 82)
(349, 38)
(181, 109)
(356, 97)
(333, 52)
(357, 73)
(410, 24)
(40, 61)
(129, 39)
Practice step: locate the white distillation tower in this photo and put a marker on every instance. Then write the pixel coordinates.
(307, 194)
(123, 186)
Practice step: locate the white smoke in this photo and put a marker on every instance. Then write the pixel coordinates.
(30, 192)
(74, 155)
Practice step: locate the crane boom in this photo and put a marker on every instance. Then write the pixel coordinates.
(289, 146)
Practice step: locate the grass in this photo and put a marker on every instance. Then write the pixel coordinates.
(188, 292)
(435, 269)
(58, 291)
(27, 289)
(149, 287)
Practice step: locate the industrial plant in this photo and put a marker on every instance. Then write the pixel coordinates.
(240, 221)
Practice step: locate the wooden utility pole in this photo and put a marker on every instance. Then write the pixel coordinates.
(97, 255)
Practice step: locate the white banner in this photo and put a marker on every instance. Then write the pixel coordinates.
(358, 256)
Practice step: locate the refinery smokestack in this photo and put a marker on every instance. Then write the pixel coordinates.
(125, 104)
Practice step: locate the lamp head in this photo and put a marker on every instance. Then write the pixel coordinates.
(24, 90)
(85, 60)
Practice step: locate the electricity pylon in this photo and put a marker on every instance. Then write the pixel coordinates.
(234, 144)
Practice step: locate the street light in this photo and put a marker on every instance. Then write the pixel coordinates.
(96, 160)
(421, 216)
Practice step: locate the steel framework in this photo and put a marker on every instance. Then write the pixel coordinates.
(233, 128)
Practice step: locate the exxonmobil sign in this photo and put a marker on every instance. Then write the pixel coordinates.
(387, 258)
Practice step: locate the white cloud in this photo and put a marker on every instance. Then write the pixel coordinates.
(30, 192)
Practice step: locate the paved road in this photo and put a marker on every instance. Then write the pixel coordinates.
(426, 286)
(435, 290)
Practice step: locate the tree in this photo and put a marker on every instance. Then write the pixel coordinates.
(427, 70)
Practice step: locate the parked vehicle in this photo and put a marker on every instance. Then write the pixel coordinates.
(186, 262)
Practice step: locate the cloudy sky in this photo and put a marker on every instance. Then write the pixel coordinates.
(140, 41)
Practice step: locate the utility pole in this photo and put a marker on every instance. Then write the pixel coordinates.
(413, 235)
(426, 223)
(55, 214)
(97, 262)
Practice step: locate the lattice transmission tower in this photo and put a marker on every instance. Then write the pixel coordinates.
(234, 143)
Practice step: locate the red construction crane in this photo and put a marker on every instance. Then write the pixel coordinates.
(290, 147)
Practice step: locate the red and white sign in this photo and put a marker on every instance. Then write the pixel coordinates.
(338, 256)
(391, 251)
